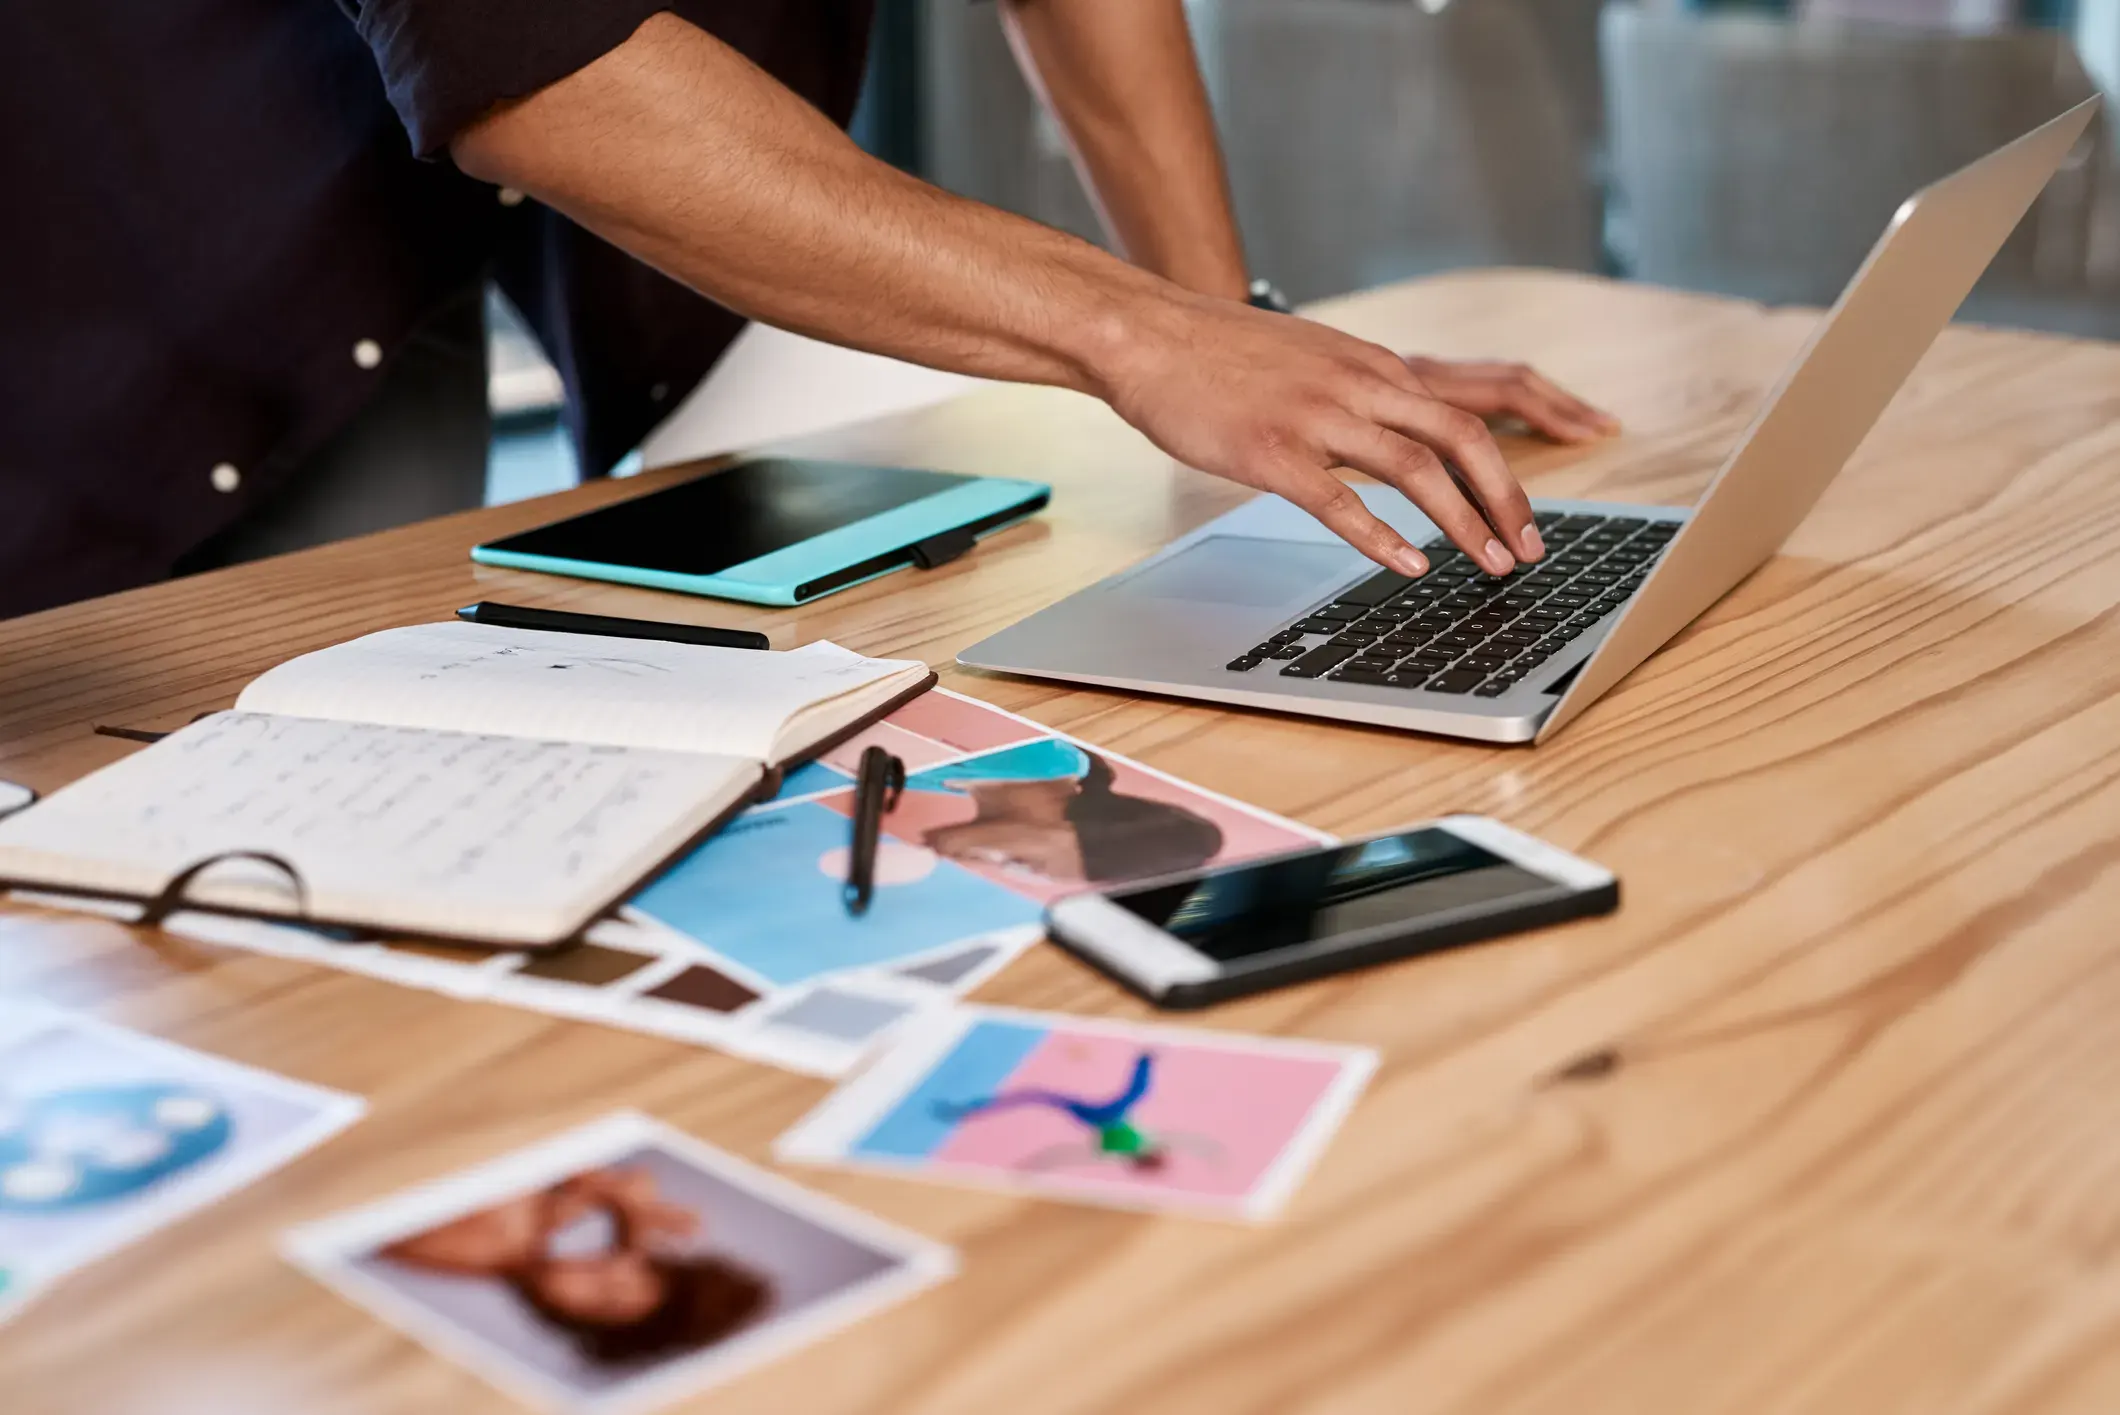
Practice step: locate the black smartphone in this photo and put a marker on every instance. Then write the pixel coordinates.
(1192, 939)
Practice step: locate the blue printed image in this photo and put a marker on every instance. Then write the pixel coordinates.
(766, 894)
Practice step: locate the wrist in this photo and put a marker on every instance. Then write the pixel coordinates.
(1112, 319)
(1136, 327)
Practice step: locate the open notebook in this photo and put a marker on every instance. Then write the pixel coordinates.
(451, 780)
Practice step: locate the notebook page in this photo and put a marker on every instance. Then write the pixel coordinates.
(484, 837)
(577, 687)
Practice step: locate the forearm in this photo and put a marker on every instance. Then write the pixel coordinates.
(676, 148)
(1122, 77)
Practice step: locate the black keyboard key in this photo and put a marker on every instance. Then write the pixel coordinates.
(1340, 613)
(1565, 599)
(1585, 621)
(1367, 677)
(1659, 530)
(1546, 520)
(1242, 665)
(1597, 577)
(1286, 636)
(1390, 614)
(1319, 626)
(1565, 634)
(1627, 523)
(1482, 662)
(1538, 618)
(1491, 689)
(1407, 677)
(1513, 639)
(1261, 650)
(1353, 639)
(1288, 651)
(1460, 640)
(1454, 680)
(1317, 661)
(1376, 589)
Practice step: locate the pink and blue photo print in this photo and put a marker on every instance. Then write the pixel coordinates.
(1134, 1116)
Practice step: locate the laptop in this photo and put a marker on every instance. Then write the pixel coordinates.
(1265, 608)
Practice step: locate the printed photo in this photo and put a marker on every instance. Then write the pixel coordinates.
(936, 727)
(107, 1136)
(616, 1267)
(1051, 817)
(767, 894)
(1102, 1112)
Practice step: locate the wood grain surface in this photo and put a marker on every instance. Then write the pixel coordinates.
(1826, 1118)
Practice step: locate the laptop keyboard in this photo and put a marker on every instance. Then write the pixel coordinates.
(1458, 629)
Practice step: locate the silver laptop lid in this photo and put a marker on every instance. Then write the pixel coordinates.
(1916, 276)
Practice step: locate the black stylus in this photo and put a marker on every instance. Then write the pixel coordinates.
(560, 621)
(879, 781)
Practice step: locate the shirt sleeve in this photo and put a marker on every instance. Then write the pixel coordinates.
(446, 63)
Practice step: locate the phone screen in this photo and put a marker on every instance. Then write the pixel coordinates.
(1394, 879)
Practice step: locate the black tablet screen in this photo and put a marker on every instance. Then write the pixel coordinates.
(718, 521)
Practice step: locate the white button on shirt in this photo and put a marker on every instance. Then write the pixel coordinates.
(225, 477)
(367, 353)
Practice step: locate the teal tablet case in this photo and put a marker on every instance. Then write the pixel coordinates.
(924, 532)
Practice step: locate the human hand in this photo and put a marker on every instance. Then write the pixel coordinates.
(1277, 403)
(1498, 389)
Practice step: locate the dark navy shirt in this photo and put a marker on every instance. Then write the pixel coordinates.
(215, 215)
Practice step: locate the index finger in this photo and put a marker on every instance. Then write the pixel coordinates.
(1466, 442)
(1341, 511)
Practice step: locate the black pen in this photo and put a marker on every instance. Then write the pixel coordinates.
(560, 621)
(876, 791)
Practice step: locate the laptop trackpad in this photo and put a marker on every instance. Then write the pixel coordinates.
(1246, 571)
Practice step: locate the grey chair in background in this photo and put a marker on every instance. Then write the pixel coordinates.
(1965, 15)
(1367, 139)
(1372, 141)
(1762, 158)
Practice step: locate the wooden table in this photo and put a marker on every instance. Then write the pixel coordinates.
(1849, 1134)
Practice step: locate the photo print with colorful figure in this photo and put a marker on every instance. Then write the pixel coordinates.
(616, 1267)
(999, 817)
(1102, 1112)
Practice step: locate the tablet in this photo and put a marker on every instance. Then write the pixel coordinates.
(775, 531)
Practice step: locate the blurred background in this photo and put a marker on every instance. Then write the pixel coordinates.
(1752, 148)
